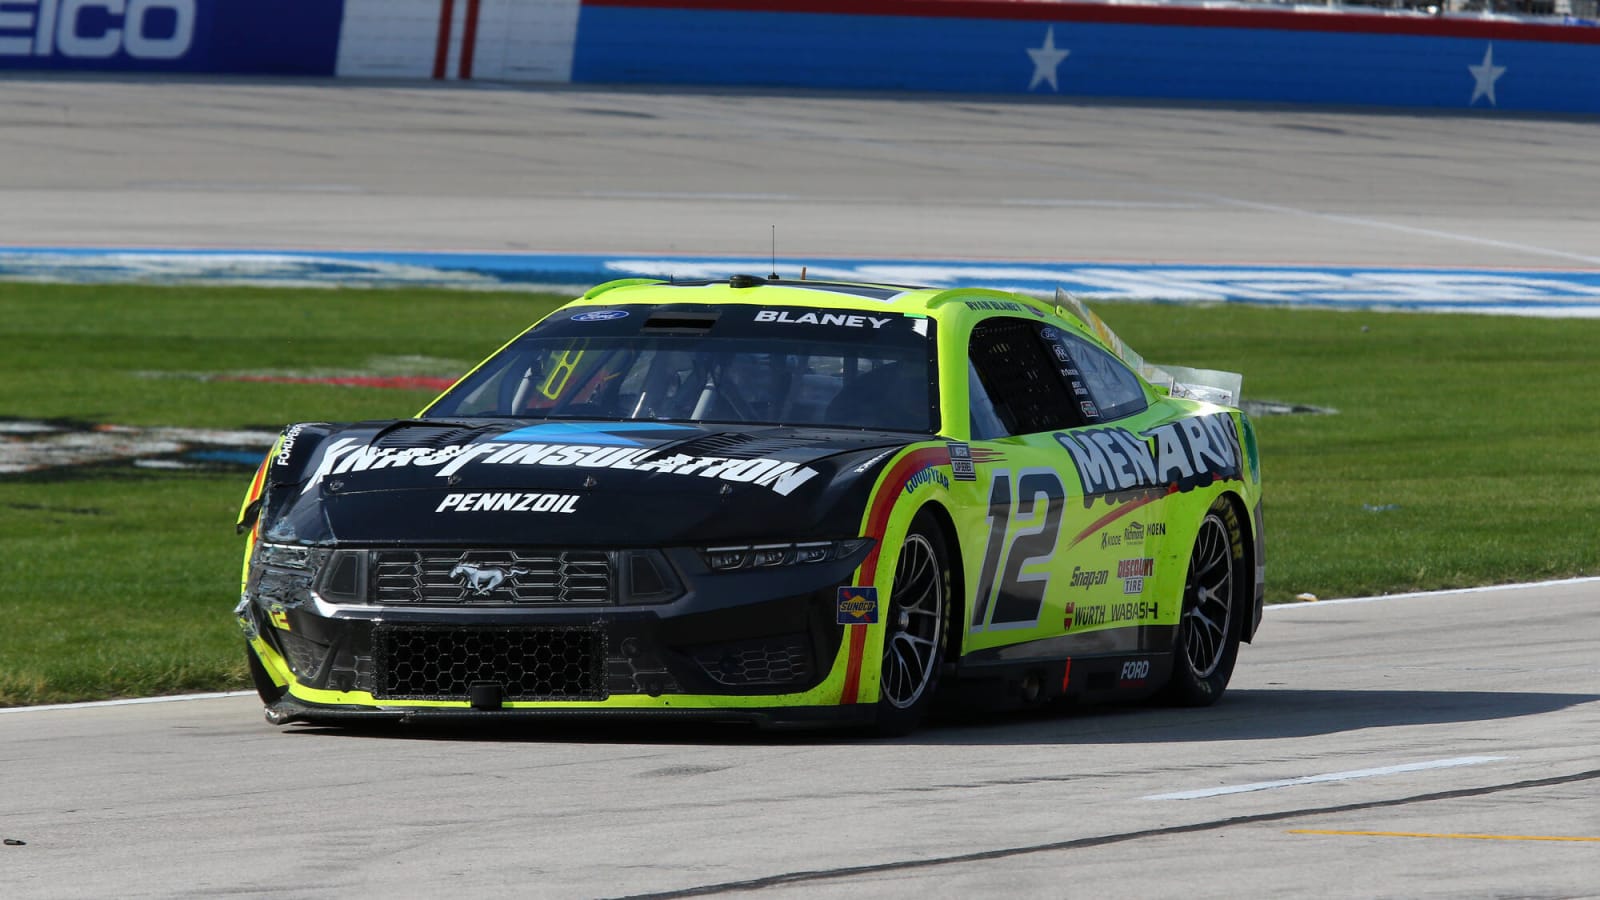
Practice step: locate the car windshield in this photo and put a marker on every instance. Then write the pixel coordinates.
(746, 365)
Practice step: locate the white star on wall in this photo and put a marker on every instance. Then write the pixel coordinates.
(1047, 58)
(1484, 75)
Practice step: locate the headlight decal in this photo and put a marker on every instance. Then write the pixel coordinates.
(766, 556)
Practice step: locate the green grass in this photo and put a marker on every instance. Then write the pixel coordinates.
(119, 582)
(1482, 431)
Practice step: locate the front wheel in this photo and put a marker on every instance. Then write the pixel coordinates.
(915, 629)
(1215, 595)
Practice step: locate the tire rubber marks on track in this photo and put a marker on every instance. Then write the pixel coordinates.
(819, 875)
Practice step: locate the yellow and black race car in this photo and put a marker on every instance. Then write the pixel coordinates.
(780, 501)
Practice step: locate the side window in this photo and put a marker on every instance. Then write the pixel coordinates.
(985, 423)
(1019, 375)
(1112, 387)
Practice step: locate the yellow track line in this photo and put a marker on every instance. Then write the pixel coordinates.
(1468, 837)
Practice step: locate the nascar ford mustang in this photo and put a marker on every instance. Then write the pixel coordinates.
(754, 499)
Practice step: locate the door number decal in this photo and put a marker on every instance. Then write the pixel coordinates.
(1009, 596)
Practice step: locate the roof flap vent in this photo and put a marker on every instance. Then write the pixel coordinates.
(681, 322)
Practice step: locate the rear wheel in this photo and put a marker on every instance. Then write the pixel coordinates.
(915, 629)
(1215, 594)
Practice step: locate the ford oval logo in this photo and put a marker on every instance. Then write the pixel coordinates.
(601, 315)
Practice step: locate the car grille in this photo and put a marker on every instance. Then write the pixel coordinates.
(491, 577)
(544, 663)
(770, 661)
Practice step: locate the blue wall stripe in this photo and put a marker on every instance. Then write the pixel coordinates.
(1522, 292)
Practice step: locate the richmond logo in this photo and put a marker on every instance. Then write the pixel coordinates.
(485, 580)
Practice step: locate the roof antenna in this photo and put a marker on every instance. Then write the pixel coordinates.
(774, 275)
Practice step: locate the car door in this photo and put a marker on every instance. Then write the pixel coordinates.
(1070, 498)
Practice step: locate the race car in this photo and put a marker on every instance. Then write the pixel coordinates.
(782, 501)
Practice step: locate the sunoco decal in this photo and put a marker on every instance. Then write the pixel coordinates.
(1186, 454)
(858, 606)
(348, 455)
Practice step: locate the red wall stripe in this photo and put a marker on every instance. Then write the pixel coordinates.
(441, 50)
(469, 39)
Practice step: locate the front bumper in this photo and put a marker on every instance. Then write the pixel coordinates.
(731, 646)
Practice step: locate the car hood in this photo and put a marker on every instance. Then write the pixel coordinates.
(565, 483)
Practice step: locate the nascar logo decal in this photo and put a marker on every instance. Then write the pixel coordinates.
(858, 605)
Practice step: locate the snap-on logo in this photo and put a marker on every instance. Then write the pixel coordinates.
(97, 29)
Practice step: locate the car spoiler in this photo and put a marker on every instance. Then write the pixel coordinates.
(1209, 385)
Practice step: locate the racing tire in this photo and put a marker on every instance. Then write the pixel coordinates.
(1216, 597)
(916, 629)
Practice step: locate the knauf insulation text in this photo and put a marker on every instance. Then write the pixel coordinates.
(351, 455)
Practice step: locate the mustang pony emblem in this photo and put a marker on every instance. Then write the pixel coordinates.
(485, 580)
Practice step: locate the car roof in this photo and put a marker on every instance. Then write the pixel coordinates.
(934, 302)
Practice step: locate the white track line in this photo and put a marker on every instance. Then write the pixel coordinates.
(131, 701)
(1332, 776)
(1311, 604)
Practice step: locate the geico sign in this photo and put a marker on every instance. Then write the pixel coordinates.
(58, 27)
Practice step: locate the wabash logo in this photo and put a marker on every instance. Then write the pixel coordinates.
(97, 29)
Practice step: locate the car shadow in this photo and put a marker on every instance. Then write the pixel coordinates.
(1250, 714)
(1242, 715)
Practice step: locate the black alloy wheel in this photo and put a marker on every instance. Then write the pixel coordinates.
(1215, 595)
(915, 629)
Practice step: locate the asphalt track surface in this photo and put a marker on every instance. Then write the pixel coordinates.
(1453, 714)
(261, 165)
(1431, 746)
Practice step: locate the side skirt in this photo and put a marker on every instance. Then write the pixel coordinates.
(1108, 666)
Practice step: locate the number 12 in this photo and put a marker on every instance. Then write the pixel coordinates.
(1015, 598)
